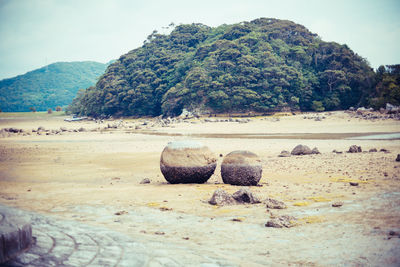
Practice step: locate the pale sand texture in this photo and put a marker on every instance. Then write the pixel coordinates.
(88, 176)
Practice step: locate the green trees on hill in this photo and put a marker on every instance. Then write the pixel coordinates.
(48, 87)
(387, 89)
(263, 65)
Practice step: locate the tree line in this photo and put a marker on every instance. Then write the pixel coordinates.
(263, 65)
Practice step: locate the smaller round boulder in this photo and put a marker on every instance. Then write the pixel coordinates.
(188, 161)
(241, 168)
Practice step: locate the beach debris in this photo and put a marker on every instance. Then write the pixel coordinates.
(337, 204)
(353, 183)
(241, 168)
(159, 233)
(274, 204)
(301, 150)
(355, 149)
(282, 221)
(315, 151)
(398, 157)
(122, 212)
(284, 154)
(221, 198)
(337, 152)
(373, 150)
(384, 150)
(187, 161)
(244, 195)
(145, 181)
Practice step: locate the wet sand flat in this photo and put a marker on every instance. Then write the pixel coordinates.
(92, 175)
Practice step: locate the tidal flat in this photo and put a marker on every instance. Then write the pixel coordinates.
(90, 172)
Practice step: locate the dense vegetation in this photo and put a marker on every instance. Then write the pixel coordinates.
(263, 65)
(387, 89)
(48, 87)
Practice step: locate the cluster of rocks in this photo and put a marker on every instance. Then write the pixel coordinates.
(299, 150)
(244, 120)
(389, 112)
(358, 149)
(190, 161)
(9, 132)
(243, 196)
(315, 118)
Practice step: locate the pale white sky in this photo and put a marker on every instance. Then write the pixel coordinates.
(34, 33)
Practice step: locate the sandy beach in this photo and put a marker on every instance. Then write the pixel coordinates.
(90, 171)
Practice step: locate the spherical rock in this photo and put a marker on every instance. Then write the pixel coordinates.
(241, 168)
(186, 162)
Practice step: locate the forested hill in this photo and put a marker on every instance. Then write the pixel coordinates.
(48, 87)
(263, 65)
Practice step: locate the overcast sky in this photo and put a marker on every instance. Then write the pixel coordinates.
(34, 33)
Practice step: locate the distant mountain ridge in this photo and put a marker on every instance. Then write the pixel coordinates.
(50, 86)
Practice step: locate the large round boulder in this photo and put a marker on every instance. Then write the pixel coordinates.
(188, 161)
(241, 168)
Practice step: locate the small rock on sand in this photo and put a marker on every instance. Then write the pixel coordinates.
(221, 198)
(274, 204)
(282, 221)
(337, 204)
(284, 153)
(315, 151)
(398, 157)
(301, 150)
(353, 183)
(373, 150)
(355, 149)
(244, 195)
(145, 181)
